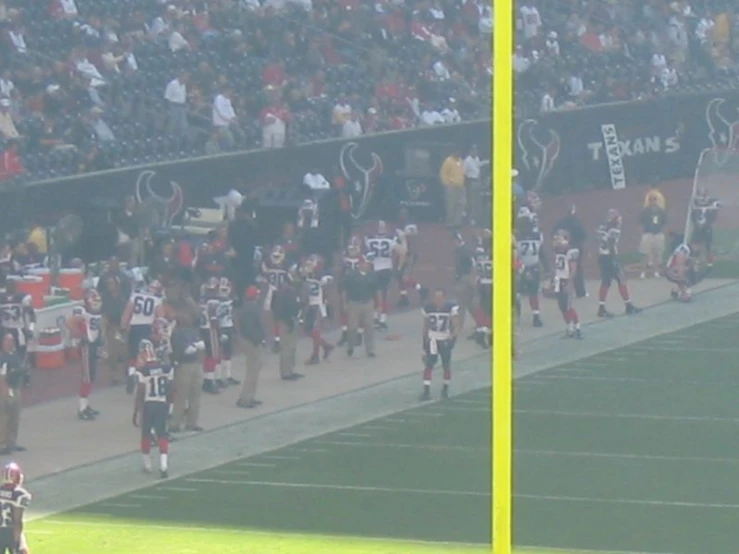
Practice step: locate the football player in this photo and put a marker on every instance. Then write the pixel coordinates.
(209, 332)
(529, 241)
(484, 275)
(609, 234)
(703, 215)
(565, 266)
(85, 327)
(349, 262)
(404, 258)
(276, 272)
(440, 328)
(381, 245)
(682, 271)
(18, 318)
(314, 281)
(153, 398)
(224, 376)
(14, 500)
(211, 259)
(142, 309)
(161, 333)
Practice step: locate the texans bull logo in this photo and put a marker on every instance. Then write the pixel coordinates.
(416, 189)
(723, 129)
(539, 148)
(361, 171)
(169, 194)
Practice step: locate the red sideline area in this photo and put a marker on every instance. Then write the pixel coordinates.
(435, 269)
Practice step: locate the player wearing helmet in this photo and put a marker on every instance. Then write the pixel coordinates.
(153, 397)
(138, 316)
(276, 272)
(349, 262)
(209, 333)
(681, 270)
(528, 243)
(85, 326)
(609, 234)
(381, 245)
(404, 258)
(18, 318)
(224, 376)
(314, 312)
(14, 500)
(565, 266)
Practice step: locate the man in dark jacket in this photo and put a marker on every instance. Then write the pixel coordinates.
(252, 331)
(242, 237)
(286, 307)
(578, 236)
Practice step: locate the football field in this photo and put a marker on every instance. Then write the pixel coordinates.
(632, 450)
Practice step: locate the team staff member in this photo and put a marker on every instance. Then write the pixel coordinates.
(188, 374)
(114, 302)
(11, 381)
(286, 307)
(361, 292)
(466, 284)
(451, 176)
(252, 331)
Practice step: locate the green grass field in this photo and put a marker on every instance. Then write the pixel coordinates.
(632, 450)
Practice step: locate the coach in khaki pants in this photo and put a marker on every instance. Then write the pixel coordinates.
(253, 335)
(360, 292)
(188, 375)
(11, 379)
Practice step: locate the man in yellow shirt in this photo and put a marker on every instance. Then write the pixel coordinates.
(451, 176)
(37, 236)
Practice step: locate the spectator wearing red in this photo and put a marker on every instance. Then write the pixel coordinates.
(274, 119)
(10, 163)
(274, 75)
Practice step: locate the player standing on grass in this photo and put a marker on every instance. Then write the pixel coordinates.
(153, 397)
(440, 328)
(14, 499)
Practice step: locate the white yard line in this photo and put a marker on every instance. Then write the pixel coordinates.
(636, 457)
(120, 505)
(624, 501)
(410, 446)
(255, 464)
(653, 417)
(309, 450)
(476, 402)
(353, 488)
(177, 489)
(357, 435)
(684, 348)
(230, 472)
(147, 497)
(279, 457)
(637, 380)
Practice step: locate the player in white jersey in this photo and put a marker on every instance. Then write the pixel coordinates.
(227, 336)
(349, 262)
(85, 326)
(565, 267)
(681, 271)
(314, 312)
(210, 302)
(18, 319)
(529, 242)
(380, 246)
(138, 316)
(404, 258)
(153, 398)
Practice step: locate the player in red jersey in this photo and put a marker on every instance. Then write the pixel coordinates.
(209, 333)
(565, 266)
(609, 234)
(682, 270)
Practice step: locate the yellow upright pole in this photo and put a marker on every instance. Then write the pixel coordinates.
(501, 163)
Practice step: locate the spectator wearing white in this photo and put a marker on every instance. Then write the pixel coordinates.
(177, 41)
(101, 128)
(314, 180)
(677, 34)
(111, 60)
(274, 120)
(441, 71)
(450, 113)
(225, 120)
(547, 102)
(17, 36)
(341, 112)
(7, 125)
(669, 77)
(162, 25)
(7, 87)
(65, 8)
(352, 127)
(485, 23)
(431, 116)
(704, 29)
(521, 62)
(472, 167)
(659, 63)
(176, 96)
(88, 70)
(552, 45)
(530, 20)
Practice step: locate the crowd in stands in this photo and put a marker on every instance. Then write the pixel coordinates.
(87, 85)
(571, 53)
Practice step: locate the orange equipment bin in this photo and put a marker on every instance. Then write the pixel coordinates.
(33, 286)
(71, 279)
(50, 350)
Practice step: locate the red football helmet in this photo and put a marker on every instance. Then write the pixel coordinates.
(12, 474)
